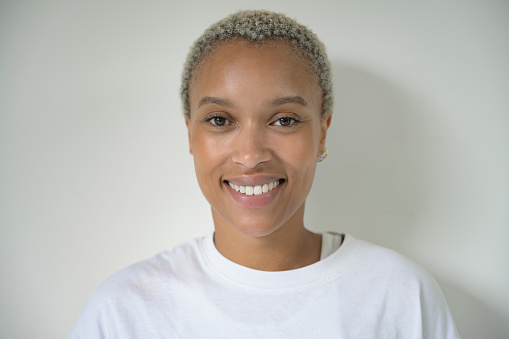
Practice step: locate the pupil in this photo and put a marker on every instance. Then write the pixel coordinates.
(284, 121)
(219, 121)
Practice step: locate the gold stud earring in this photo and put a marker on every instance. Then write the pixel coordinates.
(323, 156)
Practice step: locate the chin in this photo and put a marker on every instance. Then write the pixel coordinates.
(255, 232)
(255, 228)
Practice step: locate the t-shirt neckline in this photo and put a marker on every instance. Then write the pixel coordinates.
(316, 273)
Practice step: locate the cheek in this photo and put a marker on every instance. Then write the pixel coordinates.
(209, 152)
(300, 152)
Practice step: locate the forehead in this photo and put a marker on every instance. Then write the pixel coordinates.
(243, 68)
(220, 46)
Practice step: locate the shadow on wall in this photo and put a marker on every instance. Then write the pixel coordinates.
(375, 183)
(474, 318)
(376, 161)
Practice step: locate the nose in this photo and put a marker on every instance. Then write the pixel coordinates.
(251, 147)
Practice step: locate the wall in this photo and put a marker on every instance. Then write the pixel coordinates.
(95, 173)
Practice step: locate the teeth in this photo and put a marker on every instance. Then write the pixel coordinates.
(255, 190)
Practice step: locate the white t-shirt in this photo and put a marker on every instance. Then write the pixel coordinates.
(191, 291)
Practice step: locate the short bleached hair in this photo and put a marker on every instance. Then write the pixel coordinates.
(258, 27)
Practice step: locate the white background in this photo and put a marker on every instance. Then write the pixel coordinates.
(95, 173)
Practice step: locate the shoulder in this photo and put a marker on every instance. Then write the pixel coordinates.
(390, 276)
(384, 262)
(141, 288)
(402, 288)
(167, 265)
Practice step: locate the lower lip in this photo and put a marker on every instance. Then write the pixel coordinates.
(254, 201)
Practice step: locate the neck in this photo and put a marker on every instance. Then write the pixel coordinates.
(289, 247)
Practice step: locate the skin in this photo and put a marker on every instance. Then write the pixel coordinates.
(255, 118)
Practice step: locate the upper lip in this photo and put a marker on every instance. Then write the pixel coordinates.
(253, 180)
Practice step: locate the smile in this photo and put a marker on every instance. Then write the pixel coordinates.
(255, 190)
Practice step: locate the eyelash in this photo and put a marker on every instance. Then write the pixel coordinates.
(226, 122)
(292, 119)
(212, 118)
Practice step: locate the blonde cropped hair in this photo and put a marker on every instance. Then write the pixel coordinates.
(258, 27)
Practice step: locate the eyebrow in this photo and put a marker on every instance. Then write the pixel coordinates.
(276, 102)
(289, 100)
(214, 100)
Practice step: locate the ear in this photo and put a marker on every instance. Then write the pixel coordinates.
(189, 135)
(325, 123)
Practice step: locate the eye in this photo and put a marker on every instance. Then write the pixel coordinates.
(219, 121)
(285, 121)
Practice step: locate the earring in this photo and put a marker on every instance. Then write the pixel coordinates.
(323, 156)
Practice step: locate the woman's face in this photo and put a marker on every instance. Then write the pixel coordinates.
(255, 131)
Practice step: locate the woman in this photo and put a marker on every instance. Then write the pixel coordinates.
(257, 99)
